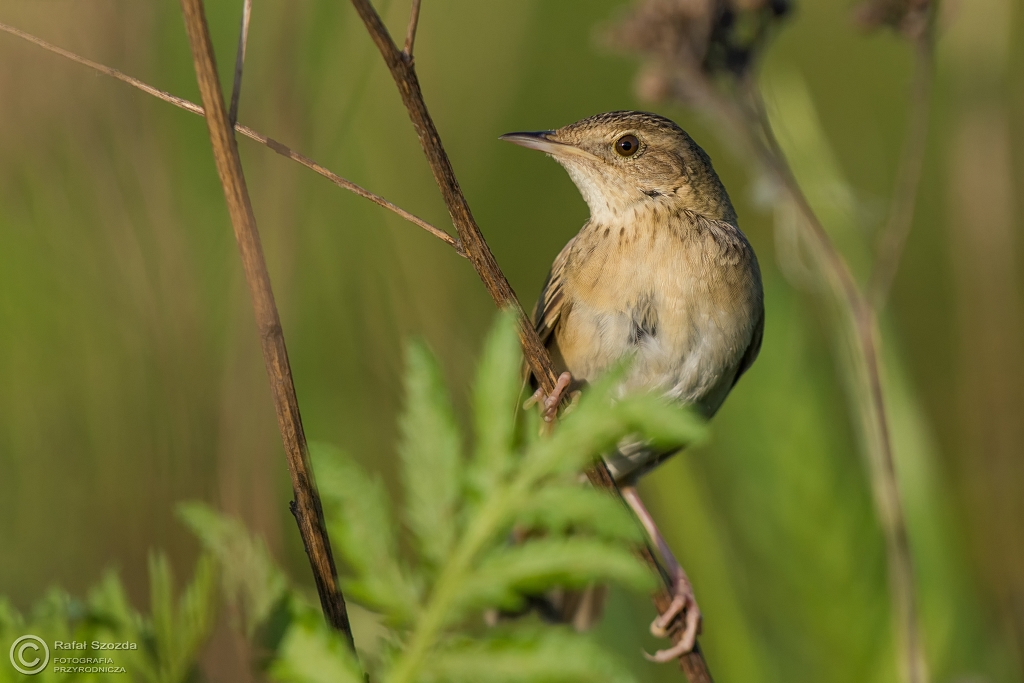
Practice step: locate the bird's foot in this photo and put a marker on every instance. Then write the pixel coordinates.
(550, 402)
(684, 604)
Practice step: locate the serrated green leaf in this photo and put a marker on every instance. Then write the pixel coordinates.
(531, 428)
(179, 629)
(250, 578)
(10, 618)
(538, 564)
(108, 603)
(360, 526)
(559, 509)
(313, 653)
(161, 597)
(431, 456)
(662, 422)
(196, 613)
(584, 432)
(600, 421)
(495, 393)
(552, 655)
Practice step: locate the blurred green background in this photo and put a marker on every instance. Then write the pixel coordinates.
(131, 376)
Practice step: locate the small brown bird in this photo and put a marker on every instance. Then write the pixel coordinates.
(661, 272)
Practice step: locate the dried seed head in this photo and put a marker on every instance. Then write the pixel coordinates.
(909, 17)
(687, 41)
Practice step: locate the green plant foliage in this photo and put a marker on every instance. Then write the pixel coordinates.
(380, 581)
(178, 629)
(311, 653)
(526, 655)
(431, 457)
(250, 579)
(168, 641)
(461, 514)
(494, 410)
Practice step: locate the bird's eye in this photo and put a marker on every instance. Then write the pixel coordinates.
(627, 145)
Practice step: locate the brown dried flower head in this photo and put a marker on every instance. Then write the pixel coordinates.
(687, 42)
(909, 17)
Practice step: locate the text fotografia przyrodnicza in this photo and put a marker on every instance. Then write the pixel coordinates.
(87, 665)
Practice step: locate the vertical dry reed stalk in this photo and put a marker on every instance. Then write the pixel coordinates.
(306, 507)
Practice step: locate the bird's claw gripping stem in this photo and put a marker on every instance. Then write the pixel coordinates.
(683, 603)
(550, 402)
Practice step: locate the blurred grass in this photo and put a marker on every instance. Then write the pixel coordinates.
(130, 375)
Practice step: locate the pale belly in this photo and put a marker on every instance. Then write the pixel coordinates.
(685, 312)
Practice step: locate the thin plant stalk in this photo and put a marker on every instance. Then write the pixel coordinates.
(269, 142)
(306, 507)
(894, 235)
(751, 120)
(243, 42)
(414, 22)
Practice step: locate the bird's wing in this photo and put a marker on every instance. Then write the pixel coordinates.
(750, 355)
(549, 309)
(552, 297)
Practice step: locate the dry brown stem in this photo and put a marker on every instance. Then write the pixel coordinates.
(273, 144)
(306, 507)
(243, 41)
(477, 251)
(403, 71)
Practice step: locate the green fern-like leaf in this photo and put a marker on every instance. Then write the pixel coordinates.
(461, 513)
(249, 576)
(359, 521)
(179, 629)
(312, 653)
(550, 655)
(497, 386)
(601, 420)
(573, 508)
(161, 599)
(534, 566)
(108, 605)
(431, 457)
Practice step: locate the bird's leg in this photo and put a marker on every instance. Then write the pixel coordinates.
(552, 400)
(683, 600)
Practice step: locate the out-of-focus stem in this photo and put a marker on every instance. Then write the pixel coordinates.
(894, 235)
(743, 116)
(864, 326)
(243, 42)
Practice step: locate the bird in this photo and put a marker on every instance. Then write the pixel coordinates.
(661, 274)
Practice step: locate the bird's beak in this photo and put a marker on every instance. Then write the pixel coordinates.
(547, 142)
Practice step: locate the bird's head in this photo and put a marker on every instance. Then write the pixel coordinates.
(623, 161)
